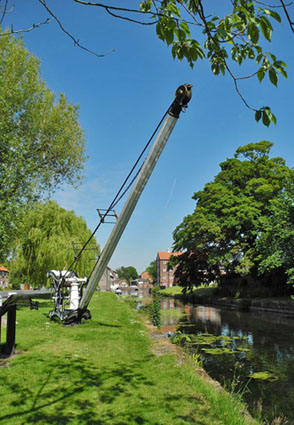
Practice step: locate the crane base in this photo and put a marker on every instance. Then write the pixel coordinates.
(69, 317)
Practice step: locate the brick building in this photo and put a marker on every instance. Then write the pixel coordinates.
(146, 276)
(165, 277)
(108, 279)
(4, 277)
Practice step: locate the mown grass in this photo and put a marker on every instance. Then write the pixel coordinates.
(201, 292)
(103, 372)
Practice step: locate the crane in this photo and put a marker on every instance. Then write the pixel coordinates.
(68, 287)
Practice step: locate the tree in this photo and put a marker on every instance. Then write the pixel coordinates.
(41, 142)
(152, 270)
(242, 223)
(45, 242)
(229, 35)
(127, 273)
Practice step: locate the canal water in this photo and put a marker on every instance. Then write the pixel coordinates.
(248, 353)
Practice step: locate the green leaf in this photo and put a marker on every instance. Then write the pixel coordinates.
(215, 68)
(251, 54)
(272, 14)
(257, 115)
(222, 68)
(181, 35)
(265, 118)
(169, 36)
(260, 74)
(253, 33)
(283, 72)
(159, 31)
(223, 34)
(184, 26)
(273, 76)
(279, 65)
(273, 118)
(268, 116)
(145, 6)
(259, 57)
(266, 28)
(194, 54)
(173, 9)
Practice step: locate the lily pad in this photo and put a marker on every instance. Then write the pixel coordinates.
(264, 376)
(217, 350)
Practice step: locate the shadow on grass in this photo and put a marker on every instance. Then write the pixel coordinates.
(72, 391)
(65, 395)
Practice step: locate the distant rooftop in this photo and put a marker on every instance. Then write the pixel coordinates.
(167, 255)
(3, 269)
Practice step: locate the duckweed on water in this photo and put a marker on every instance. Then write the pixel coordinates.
(217, 350)
(264, 376)
(212, 344)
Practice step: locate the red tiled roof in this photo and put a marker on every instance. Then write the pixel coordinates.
(146, 275)
(3, 269)
(167, 255)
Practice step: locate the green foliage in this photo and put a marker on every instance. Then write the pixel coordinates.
(194, 31)
(151, 269)
(155, 290)
(155, 314)
(242, 223)
(127, 273)
(45, 242)
(41, 142)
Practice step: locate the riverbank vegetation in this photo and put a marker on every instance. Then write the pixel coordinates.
(104, 372)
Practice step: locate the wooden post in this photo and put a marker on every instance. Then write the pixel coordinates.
(0, 333)
(10, 331)
(0, 321)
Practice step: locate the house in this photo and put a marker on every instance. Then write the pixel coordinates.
(4, 277)
(109, 279)
(143, 283)
(165, 277)
(146, 276)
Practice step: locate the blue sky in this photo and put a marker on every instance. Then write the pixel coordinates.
(123, 96)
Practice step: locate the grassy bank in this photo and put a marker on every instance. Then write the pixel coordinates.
(202, 293)
(103, 372)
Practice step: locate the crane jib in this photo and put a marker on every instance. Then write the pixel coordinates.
(182, 97)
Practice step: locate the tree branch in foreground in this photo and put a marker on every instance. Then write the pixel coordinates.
(76, 41)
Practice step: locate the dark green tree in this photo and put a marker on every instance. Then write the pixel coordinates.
(242, 223)
(45, 242)
(127, 273)
(41, 142)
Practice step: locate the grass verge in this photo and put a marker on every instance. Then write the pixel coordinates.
(199, 294)
(104, 372)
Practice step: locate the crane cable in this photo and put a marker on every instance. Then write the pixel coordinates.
(120, 195)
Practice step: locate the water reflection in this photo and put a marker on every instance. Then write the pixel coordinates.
(240, 345)
(206, 314)
(171, 311)
(138, 293)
